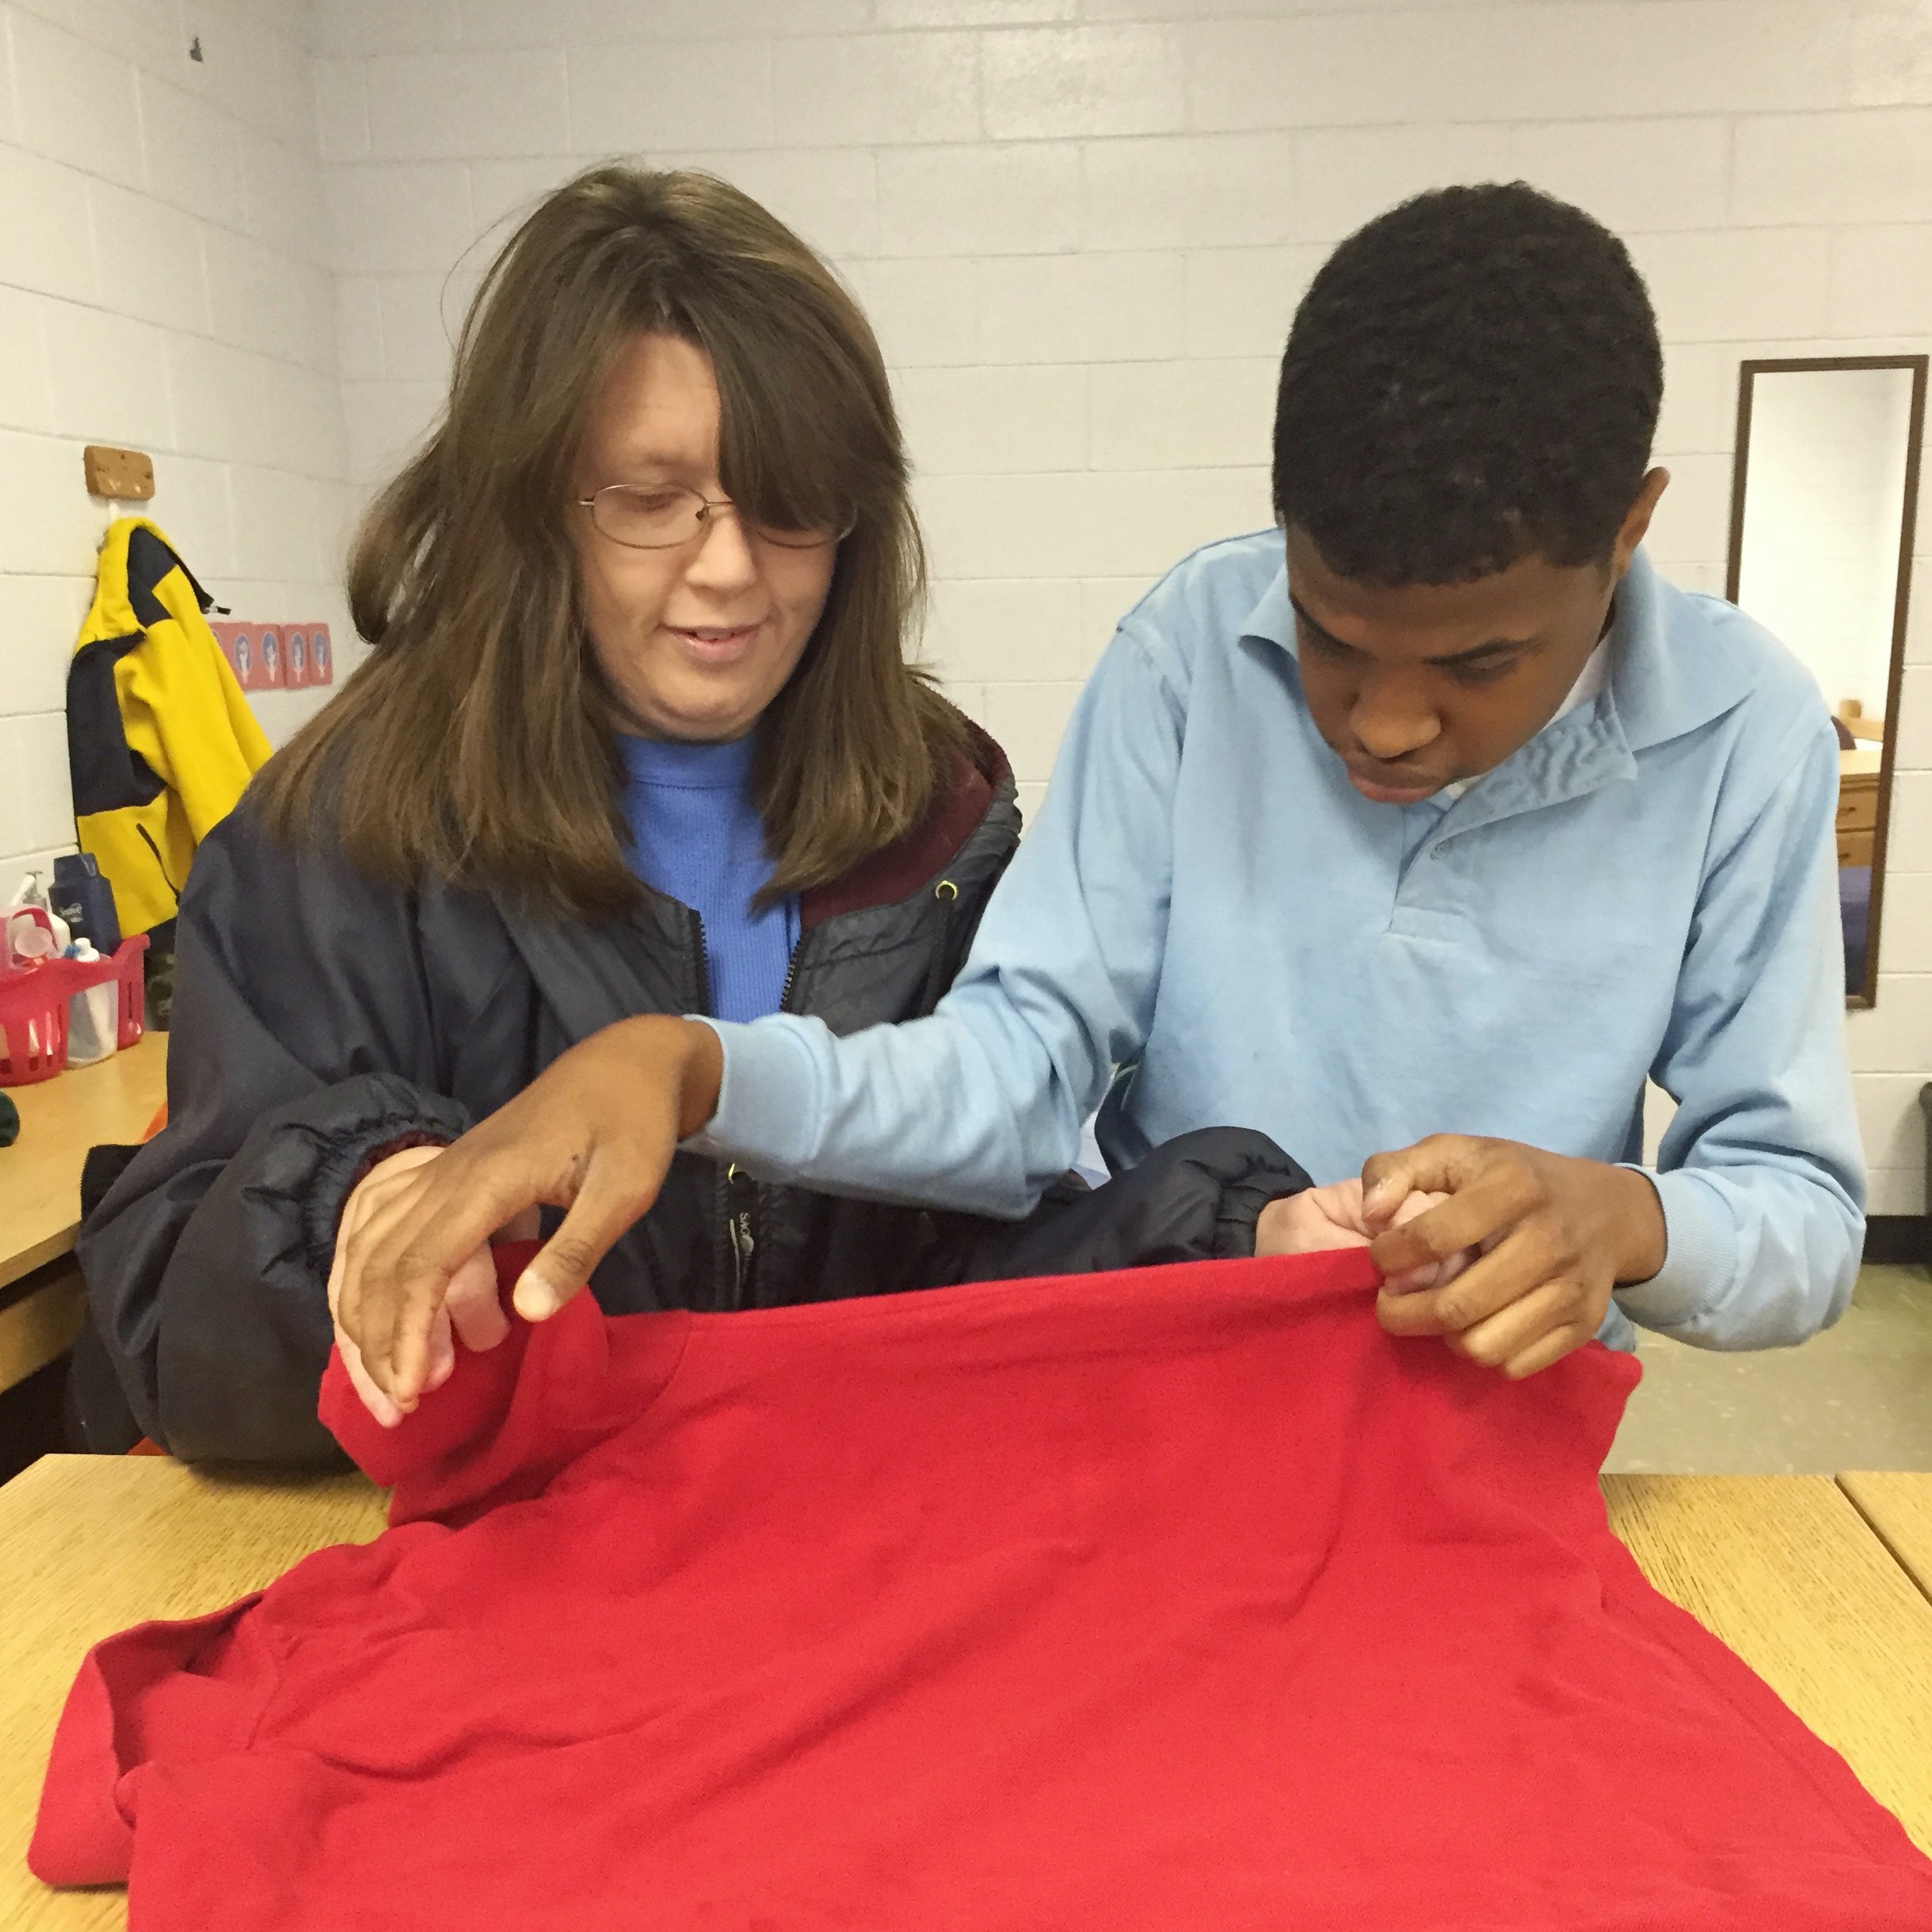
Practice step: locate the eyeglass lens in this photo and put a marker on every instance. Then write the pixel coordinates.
(658, 518)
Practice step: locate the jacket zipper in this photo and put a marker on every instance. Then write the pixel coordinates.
(737, 1239)
(947, 894)
(740, 1228)
(738, 1231)
(148, 839)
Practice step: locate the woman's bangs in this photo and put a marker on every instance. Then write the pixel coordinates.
(795, 437)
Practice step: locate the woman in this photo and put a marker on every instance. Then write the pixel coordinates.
(637, 735)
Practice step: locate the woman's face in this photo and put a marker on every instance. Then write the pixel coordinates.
(697, 639)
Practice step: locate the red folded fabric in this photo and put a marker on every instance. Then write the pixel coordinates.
(1181, 1599)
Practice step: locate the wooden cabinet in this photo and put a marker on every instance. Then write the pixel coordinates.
(1857, 804)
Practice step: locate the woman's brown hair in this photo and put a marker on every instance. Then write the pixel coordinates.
(477, 744)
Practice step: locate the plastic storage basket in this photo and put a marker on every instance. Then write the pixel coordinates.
(33, 1024)
(33, 1010)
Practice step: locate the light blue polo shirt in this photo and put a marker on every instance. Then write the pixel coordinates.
(1208, 925)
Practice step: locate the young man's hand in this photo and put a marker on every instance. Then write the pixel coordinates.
(1555, 1235)
(593, 1134)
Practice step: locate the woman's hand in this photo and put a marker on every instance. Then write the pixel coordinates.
(593, 1134)
(1333, 1217)
(470, 1309)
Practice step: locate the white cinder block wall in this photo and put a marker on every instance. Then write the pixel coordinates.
(165, 283)
(1081, 227)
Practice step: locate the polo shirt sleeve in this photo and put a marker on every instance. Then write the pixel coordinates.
(1761, 1173)
(979, 1106)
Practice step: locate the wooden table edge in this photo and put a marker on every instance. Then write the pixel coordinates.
(23, 1261)
(143, 1062)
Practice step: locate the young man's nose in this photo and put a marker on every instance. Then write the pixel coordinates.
(1391, 719)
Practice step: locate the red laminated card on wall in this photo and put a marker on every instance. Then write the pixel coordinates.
(237, 646)
(253, 651)
(270, 675)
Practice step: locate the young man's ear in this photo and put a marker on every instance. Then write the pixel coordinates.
(1637, 520)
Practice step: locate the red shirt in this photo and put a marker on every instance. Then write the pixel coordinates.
(1180, 1599)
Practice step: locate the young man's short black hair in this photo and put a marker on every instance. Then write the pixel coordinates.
(1472, 378)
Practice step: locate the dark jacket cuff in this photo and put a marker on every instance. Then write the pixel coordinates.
(1196, 1198)
(314, 1163)
(1269, 1175)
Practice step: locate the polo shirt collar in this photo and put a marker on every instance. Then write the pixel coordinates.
(1659, 688)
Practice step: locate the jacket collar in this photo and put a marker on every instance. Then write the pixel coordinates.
(1668, 677)
(979, 791)
(592, 975)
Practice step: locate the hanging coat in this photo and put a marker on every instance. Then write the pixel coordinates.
(161, 743)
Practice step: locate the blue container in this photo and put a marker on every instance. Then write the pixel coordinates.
(86, 901)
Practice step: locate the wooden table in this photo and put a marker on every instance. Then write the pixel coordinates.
(113, 1101)
(1789, 1573)
(1783, 1568)
(1900, 1510)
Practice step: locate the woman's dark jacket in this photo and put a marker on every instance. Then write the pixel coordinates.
(321, 1020)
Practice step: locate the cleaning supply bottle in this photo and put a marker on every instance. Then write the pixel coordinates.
(32, 899)
(84, 900)
(93, 1013)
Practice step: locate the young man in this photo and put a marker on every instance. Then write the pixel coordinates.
(1415, 833)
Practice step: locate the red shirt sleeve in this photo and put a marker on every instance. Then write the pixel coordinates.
(509, 1417)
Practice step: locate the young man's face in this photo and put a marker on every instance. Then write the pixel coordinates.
(1417, 686)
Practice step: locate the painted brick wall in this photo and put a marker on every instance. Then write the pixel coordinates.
(166, 283)
(1080, 226)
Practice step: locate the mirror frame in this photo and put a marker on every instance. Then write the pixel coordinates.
(1867, 994)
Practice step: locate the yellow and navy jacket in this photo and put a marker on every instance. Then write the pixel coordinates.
(161, 743)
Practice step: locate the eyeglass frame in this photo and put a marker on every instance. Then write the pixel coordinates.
(705, 505)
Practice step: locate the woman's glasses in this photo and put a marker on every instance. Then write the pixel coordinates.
(662, 516)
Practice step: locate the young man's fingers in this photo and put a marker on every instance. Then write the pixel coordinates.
(615, 1190)
(1489, 1202)
(425, 1268)
(1549, 1349)
(1521, 1325)
(1516, 1268)
(1438, 1164)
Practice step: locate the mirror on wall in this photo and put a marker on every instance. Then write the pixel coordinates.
(1823, 501)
